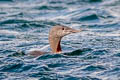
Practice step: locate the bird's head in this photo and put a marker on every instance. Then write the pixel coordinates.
(61, 31)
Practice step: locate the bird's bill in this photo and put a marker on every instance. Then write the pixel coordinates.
(71, 30)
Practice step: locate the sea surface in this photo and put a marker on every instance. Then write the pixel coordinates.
(93, 54)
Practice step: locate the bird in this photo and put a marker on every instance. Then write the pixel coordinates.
(56, 33)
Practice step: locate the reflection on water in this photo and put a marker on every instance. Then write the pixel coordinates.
(93, 54)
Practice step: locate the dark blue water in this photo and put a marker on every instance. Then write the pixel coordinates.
(93, 54)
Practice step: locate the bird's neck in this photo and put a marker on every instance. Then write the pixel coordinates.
(55, 44)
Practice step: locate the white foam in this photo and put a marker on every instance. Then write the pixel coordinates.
(8, 32)
(44, 47)
(40, 49)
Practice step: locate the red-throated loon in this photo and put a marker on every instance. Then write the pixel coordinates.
(55, 35)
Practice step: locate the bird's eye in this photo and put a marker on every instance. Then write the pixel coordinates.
(62, 28)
